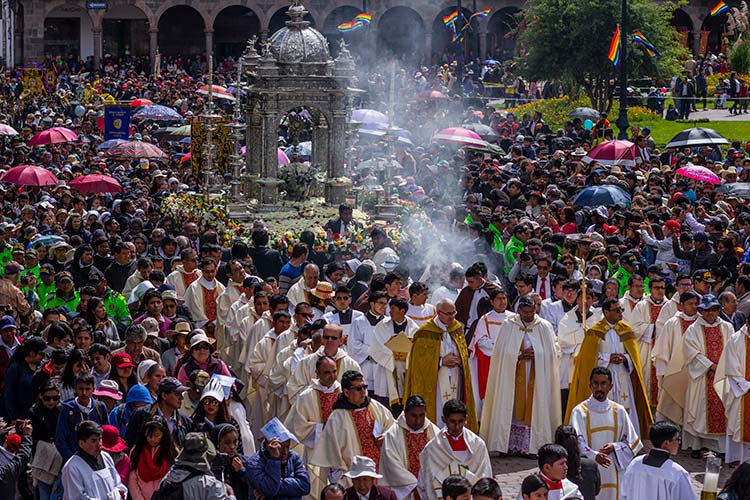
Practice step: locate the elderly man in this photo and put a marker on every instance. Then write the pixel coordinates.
(186, 273)
(135, 336)
(300, 291)
(729, 313)
(201, 296)
(363, 474)
(438, 365)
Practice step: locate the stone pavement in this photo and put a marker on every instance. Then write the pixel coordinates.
(509, 472)
(718, 115)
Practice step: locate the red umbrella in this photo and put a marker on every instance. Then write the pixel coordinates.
(185, 158)
(613, 153)
(96, 183)
(698, 173)
(29, 175)
(218, 91)
(460, 136)
(136, 103)
(136, 150)
(53, 136)
(428, 95)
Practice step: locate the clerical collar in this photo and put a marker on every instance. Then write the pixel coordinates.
(345, 317)
(399, 327)
(95, 462)
(656, 457)
(611, 325)
(374, 319)
(210, 285)
(567, 307)
(579, 315)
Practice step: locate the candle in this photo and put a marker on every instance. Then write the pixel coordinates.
(711, 482)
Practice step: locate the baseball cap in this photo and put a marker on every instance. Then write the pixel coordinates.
(63, 276)
(171, 384)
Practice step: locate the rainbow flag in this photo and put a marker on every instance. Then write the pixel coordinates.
(639, 37)
(363, 17)
(720, 8)
(614, 47)
(450, 18)
(481, 13)
(350, 26)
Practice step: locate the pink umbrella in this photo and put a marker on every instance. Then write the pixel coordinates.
(6, 129)
(621, 153)
(218, 91)
(698, 173)
(53, 135)
(136, 150)
(29, 175)
(283, 158)
(137, 103)
(460, 136)
(96, 183)
(429, 95)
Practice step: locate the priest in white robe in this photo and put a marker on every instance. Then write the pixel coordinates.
(704, 425)
(286, 362)
(526, 364)
(300, 291)
(343, 314)
(201, 296)
(232, 347)
(387, 371)
(454, 450)
(632, 297)
(605, 433)
(185, 274)
(732, 383)
(404, 442)
(225, 300)
(644, 326)
(669, 360)
(361, 337)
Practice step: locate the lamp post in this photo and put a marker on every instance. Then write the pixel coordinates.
(459, 49)
(622, 118)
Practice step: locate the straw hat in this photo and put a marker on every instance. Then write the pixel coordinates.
(324, 290)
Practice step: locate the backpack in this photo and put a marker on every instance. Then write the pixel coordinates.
(173, 491)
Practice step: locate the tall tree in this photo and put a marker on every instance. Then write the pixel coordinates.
(569, 40)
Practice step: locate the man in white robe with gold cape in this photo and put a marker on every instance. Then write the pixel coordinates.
(455, 450)
(404, 442)
(605, 433)
(525, 363)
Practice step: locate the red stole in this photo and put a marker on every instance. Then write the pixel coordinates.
(746, 397)
(325, 402)
(715, 418)
(415, 443)
(364, 422)
(188, 279)
(209, 309)
(483, 362)
(654, 311)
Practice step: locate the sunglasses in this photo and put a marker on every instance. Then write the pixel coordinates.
(359, 388)
(202, 347)
(50, 398)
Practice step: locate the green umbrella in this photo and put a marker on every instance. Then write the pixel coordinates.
(183, 131)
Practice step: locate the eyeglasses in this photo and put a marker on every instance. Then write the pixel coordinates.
(202, 347)
(447, 313)
(330, 337)
(658, 288)
(359, 388)
(210, 402)
(50, 398)
(342, 297)
(306, 315)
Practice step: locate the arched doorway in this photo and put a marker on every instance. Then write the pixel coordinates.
(233, 27)
(181, 32)
(712, 31)
(443, 45)
(684, 26)
(339, 15)
(125, 31)
(401, 34)
(501, 33)
(67, 30)
(279, 19)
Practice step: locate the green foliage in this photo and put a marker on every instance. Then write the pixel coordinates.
(739, 57)
(569, 39)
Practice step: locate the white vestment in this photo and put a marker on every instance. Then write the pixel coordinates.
(628, 303)
(334, 317)
(421, 314)
(358, 347)
(296, 293)
(599, 423)
(177, 279)
(224, 301)
(622, 391)
(668, 482)
(485, 336)
(388, 374)
(669, 360)
(499, 408)
(81, 482)
(733, 385)
(281, 372)
(644, 326)
(397, 460)
(305, 371)
(194, 299)
(570, 337)
(259, 365)
(668, 311)
(232, 346)
(438, 456)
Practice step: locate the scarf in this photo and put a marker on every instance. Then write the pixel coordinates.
(148, 469)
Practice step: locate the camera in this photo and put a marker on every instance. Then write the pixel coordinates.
(221, 460)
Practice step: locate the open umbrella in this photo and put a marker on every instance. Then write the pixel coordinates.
(137, 103)
(429, 95)
(460, 136)
(697, 136)
(738, 189)
(584, 114)
(29, 175)
(283, 158)
(698, 173)
(490, 62)
(369, 116)
(53, 135)
(109, 144)
(304, 150)
(183, 131)
(605, 195)
(157, 113)
(47, 239)
(185, 158)
(95, 183)
(613, 153)
(6, 129)
(137, 150)
(484, 131)
(218, 92)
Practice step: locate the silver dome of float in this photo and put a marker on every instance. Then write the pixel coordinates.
(298, 48)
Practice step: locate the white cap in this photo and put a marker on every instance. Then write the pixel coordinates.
(214, 389)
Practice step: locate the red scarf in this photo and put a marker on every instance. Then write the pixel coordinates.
(148, 469)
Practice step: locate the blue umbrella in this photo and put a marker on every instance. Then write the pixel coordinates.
(606, 195)
(157, 113)
(186, 140)
(489, 62)
(304, 149)
(109, 144)
(47, 240)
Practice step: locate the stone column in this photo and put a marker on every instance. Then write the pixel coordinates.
(336, 192)
(320, 145)
(153, 45)
(97, 34)
(483, 44)
(269, 182)
(263, 36)
(696, 41)
(209, 42)
(428, 48)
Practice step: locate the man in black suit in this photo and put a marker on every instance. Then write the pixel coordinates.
(268, 262)
(543, 279)
(363, 475)
(729, 311)
(345, 223)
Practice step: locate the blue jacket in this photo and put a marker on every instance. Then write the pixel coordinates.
(276, 481)
(70, 416)
(19, 395)
(120, 415)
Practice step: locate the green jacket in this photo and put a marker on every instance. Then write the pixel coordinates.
(622, 276)
(54, 300)
(117, 307)
(44, 292)
(497, 242)
(514, 246)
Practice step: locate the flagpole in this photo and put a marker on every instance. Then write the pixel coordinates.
(622, 118)
(459, 50)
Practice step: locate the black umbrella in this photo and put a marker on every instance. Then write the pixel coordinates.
(485, 132)
(584, 114)
(738, 189)
(697, 136)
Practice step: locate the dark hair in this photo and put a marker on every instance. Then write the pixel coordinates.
(363, 273)
(207, 262)
(58, 331)
(495, 292)
(739, 482)
(657, 279)
(549, 454)
(391, 277)
(400, 303)
(531, 484)
(342, 289)
(608, 302)
(276, 300)
(376, 296)
(99, 349)
(454, 406)
(281, 314)
(299, 306)
(321, 359)
(59, 356)
(76, 356)
(29, 345)
(662, 431)
(600, 370)
(167, 451)
(333, 488)
(566, 436)
(85, 379)
(298, 250)
(487, 487)
(417, 287)
(86, 429)
(414, 402)
(455, 486)
(259, 237)
(349, 378)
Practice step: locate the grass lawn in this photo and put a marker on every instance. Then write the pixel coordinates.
(662, 130)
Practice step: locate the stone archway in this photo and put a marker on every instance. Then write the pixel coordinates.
(66, 31)
(279, 19)
(442, 37)
(401, 33)
(714, 28)
(181, 30)
(684, 26)
(233, 27)
(343, 14)
(125, 31)
(501, 33)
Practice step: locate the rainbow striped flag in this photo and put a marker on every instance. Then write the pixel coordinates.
(350, 26)
(614, 47)
(363, 17)
(719, 8)
(639, 37)
(480, 14)
(450, 18)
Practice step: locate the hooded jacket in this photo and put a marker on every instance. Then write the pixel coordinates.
(120, 414)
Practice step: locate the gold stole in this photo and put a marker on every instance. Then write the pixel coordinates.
(524, 395)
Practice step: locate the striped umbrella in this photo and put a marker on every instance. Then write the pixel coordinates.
(460, 136)
(136, 150)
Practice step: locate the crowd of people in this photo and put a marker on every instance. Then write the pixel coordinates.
(145, 357)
